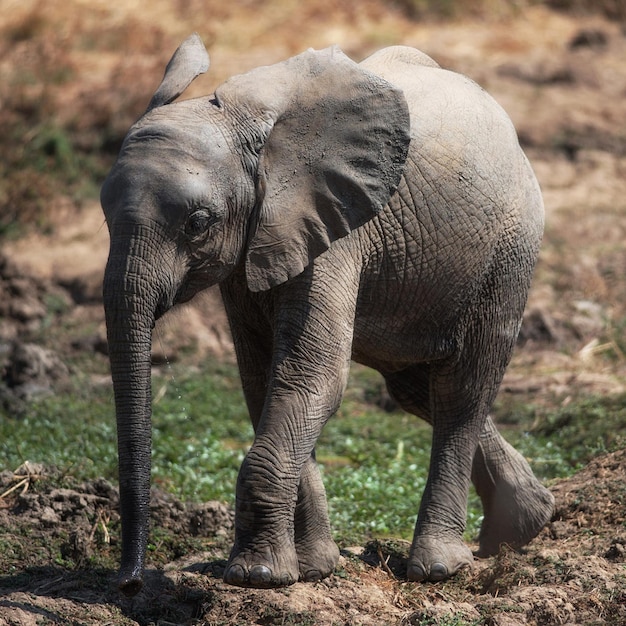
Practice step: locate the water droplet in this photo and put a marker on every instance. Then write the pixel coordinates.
(170, 370)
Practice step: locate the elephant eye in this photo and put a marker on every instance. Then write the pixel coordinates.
(198, 223)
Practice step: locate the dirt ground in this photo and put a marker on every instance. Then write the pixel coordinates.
(562, 78)
(573, 573)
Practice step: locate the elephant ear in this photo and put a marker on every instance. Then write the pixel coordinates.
(333, 157)
(189, 61)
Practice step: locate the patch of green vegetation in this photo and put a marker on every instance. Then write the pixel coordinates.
(558, 441)
(201, 432)
(165, 545)
(74, 432)
(374, 465)
(374, 462)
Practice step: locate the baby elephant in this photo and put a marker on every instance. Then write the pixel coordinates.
(380, 211)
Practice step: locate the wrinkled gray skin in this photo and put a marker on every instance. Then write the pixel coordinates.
(382, 212)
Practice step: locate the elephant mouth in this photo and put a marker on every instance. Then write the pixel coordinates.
(184, 294)
(164, 304)
(198, 280)
(188, 290)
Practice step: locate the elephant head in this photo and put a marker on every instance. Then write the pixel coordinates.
(263, 175)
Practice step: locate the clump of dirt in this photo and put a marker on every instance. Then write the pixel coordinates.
(26, 300)
(62, 539)
(85, 507)
(573, 572)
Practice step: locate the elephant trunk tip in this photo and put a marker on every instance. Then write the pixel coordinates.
(130, 584)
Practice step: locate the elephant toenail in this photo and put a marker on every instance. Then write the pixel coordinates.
(260, 576)
(438, 571)
(312, 576)
(235, 575)
(416, 573)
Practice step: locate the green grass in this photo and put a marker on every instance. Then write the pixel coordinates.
(74, 432)
(374, 462)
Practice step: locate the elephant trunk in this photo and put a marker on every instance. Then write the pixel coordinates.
(130, 305)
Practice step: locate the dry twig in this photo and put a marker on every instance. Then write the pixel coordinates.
(24, 475)
(383, 562)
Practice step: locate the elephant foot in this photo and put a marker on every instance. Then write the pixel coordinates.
(437, 558)
(514, 515)
(256, 577)
(262, 569)
(516, 505)
(317, 560)
(254, 569)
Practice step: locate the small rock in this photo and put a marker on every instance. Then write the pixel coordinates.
(615, 552)
(589, 38)
(77, 548)
(49, 517)
(559, 530)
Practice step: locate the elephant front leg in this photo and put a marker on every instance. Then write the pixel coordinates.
(282, 533)
(318, 554)
(315, 548)
(264, 554)
(293, 383)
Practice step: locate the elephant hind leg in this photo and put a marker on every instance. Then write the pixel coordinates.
(410, 389)
(516, 505)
